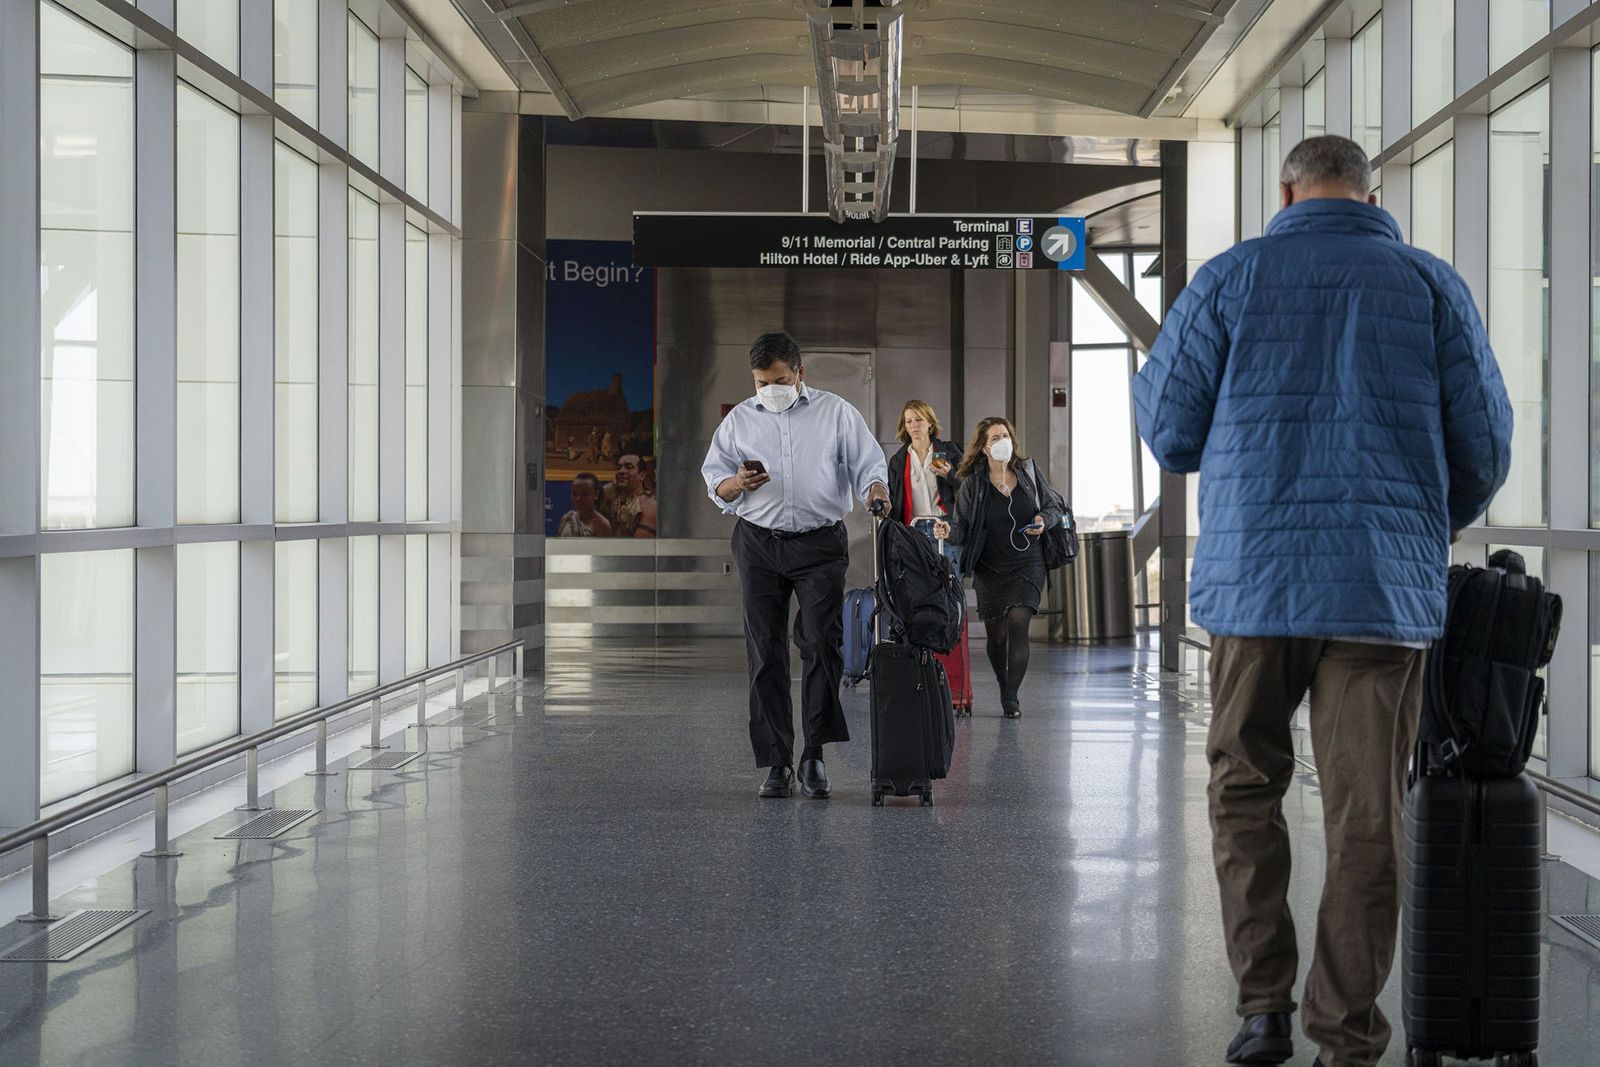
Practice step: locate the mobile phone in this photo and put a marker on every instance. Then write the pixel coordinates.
(754, 465)
(1030, 526)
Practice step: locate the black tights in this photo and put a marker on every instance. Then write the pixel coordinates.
(1008, 649)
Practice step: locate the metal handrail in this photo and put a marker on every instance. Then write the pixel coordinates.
(38, 833)
(1555, 788)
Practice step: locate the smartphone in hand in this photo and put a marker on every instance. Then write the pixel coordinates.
(754, 465)
(1031, 527)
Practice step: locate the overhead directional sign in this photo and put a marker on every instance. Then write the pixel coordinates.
(901, 242)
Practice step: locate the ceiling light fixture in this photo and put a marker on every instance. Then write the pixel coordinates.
(857, 45)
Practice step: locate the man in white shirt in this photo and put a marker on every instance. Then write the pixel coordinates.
(790, 463)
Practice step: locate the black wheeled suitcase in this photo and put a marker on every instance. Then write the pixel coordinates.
(1472, 908)
(1471, 920)
(913, 722)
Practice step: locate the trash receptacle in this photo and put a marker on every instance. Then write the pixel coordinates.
(1099, 605)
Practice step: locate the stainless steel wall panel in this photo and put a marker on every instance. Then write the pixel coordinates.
(488, 430)
(906, 374)
(694, 305)
(639, 579)
(663, 584)
(695, 382)
(601, 598)
(832, 308)
(913, 309)
(489, 314)
(986, 386)
(688, 180)
(591, 193)
(489, 158)
(988, 311)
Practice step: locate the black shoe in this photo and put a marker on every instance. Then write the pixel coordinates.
(1265, 1038)
(814, 780)
(780, 783)
(1011, 709)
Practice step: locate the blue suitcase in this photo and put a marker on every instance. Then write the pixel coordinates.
(859, 604)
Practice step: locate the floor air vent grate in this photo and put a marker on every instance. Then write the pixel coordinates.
(1585, 926)
(267, 825)
(71, 937)
(386, 761)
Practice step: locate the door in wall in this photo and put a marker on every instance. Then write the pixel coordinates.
(848, 373)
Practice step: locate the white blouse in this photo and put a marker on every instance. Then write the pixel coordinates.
(924, 485)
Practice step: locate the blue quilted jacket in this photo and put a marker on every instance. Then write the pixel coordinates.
(1336, 391)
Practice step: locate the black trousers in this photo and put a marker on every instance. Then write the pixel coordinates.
(811, 568)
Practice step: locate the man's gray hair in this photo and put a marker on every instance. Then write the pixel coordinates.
(1330, 160)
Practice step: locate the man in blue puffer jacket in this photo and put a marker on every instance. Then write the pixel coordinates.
(1336, 391)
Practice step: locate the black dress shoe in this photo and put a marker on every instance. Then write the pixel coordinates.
(1011, 709)
(780, 783)
(1265, 1038)
(814, 779)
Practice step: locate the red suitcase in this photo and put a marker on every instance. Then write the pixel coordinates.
(958, 668)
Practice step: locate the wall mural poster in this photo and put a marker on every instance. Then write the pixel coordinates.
(600, 382)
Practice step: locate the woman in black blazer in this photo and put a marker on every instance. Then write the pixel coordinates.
(922, 474)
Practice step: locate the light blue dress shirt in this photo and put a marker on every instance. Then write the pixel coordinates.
(819, 453)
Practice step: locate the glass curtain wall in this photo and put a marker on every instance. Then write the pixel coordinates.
(295, 336)
(364, 287)
(1519, 294)
(86, 648)
(1103, 464)
(1366, 87)
(1433, 203)
(85, 274)
(1316, 104)
(294, 645)
(416, 135)
(1433, 55)
(208, 309)
(363, 565)
(416, 376)
(363, 66)
(1271, 167)
(213, 27)
(117, 590)
(208, 644)
(294, 57)
(1514, 25)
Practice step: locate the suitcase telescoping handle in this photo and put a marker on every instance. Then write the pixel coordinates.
(878, 509)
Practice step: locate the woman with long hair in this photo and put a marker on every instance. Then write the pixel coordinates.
(922, 491)
(1003, 506)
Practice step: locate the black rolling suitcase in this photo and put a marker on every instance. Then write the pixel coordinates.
(1471, 921)
(1472, 901)
(913, 720)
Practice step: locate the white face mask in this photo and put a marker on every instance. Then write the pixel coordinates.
(777, 397)
(1001, 450)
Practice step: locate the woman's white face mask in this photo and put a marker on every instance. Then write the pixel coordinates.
(1001, 450)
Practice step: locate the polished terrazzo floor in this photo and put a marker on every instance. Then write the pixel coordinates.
(591, 879)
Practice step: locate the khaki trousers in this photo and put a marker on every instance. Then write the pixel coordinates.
(1365, 700)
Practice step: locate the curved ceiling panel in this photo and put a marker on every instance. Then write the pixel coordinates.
(1123, 55)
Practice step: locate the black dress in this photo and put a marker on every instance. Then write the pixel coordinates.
(1004, 576)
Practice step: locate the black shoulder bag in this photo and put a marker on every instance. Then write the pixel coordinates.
(1061, 540)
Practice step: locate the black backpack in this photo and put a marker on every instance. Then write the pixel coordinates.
(918, 590)
(1481, 698)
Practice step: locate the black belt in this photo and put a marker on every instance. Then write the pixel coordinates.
(790, 535)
